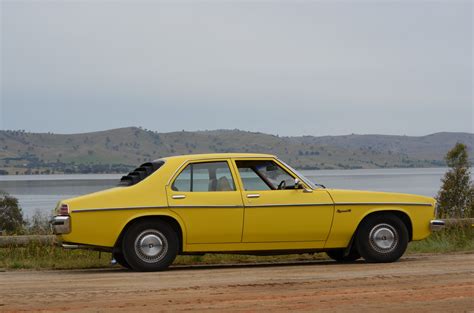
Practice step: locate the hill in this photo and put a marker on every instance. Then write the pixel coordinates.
(118, 150)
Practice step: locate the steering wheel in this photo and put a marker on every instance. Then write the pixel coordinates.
(282, 185)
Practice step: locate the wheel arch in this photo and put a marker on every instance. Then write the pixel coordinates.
(400, 213)
(173, 221)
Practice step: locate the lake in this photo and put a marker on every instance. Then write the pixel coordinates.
(42, 192)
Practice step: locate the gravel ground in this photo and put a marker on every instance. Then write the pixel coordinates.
(417, 283)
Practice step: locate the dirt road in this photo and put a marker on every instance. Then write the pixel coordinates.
(420, 283)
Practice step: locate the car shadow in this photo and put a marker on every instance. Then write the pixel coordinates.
(197, 267)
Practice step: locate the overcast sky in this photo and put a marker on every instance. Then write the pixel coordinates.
(280, 67)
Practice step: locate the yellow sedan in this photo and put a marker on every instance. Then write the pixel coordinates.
(241, 203)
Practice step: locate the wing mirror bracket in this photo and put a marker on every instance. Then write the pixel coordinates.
(300, 185)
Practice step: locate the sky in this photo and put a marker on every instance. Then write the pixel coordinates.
(280, 67)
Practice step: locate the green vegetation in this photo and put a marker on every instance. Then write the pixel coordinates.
(457, 237)
(119, 150)
(11, 216)
(48, 256)
(456, 197)
(13, 223)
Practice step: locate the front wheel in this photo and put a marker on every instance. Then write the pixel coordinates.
(150, 245)
(382, 238)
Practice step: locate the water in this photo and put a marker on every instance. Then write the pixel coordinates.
(42, 192)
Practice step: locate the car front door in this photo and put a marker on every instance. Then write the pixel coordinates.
(205, 196)
(278, 211)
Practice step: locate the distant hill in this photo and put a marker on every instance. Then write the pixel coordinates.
(119, 150)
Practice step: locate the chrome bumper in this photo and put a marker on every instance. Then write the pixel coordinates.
(61, 225)
(436, 225)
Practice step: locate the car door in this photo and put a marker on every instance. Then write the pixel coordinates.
(205, 196)
(276, 210)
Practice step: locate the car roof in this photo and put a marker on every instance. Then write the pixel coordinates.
(218, 156)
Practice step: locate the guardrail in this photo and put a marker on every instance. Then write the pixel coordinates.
(459, 221)
(21, 241)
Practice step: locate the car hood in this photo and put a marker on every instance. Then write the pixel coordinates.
(360, 196)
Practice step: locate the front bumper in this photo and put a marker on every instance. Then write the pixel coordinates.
(61, 224)
(436, 225)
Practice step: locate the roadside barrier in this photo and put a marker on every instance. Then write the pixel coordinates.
(22, 241)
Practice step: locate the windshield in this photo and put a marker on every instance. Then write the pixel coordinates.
(303, 178)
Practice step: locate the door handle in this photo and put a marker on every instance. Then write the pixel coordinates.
(253, 195)
(178, 196)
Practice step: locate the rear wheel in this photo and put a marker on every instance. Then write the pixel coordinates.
(150, 245)
(382, 238)
(338, 255)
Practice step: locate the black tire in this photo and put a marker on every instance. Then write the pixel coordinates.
(118, 256)
(382, 238)
(338, 255)
(150, 246)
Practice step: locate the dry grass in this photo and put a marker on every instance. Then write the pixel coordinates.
(49, 256)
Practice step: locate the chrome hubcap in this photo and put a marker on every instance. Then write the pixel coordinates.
(383, 238)
(151, 246)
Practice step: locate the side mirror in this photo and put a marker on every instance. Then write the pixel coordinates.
(299, 185)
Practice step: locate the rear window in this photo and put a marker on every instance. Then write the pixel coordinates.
(140, 173)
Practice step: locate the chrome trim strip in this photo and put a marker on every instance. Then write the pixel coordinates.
(250, 206)
(207, 159)
(384, 203)
(120, 209)
(157, 207)
(203, 206)
(283, 205)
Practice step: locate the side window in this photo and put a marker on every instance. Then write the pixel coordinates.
(208, 176)
(264, 175)
(251, 180)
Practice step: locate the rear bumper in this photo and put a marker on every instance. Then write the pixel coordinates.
(61, 225)
(436, 225)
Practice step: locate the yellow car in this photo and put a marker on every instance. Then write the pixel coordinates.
(238, 203)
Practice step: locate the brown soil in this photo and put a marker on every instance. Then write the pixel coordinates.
(417, 283)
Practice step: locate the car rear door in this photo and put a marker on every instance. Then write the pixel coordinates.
(204, 194)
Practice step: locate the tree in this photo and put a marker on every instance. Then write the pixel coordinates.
(11, 217)
(38, 224)
(455, 198)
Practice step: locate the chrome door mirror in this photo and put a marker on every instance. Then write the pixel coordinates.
(300, 185)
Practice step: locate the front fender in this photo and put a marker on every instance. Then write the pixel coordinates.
(347, 218)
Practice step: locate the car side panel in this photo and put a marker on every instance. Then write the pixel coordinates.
(255, 246)
(103, 227)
